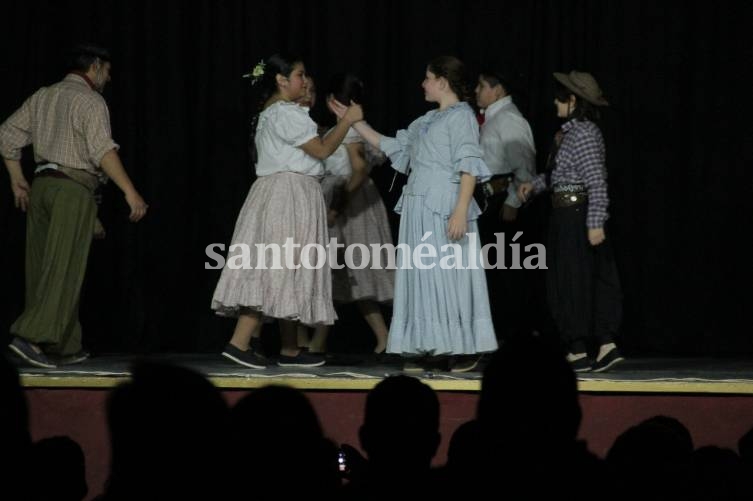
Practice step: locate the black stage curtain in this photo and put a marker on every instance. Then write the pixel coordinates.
(677, 135)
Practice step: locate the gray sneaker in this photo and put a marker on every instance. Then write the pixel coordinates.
(26, 351)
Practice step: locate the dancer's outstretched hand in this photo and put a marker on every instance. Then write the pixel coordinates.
(524, 191)
(352, 113)
(336, 107)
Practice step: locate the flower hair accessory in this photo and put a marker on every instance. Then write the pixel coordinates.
(256, 73)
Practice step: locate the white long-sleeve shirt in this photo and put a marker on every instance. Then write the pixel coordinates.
(507, 142)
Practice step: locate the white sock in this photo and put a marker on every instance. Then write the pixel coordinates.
(573, 357)
(604, 349)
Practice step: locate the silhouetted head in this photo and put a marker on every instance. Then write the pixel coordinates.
(277, 439)
(401, 424)
(745, 447)
(168, 426)
(60, 461)
(14, 414)
(529, 392)
(14, 431)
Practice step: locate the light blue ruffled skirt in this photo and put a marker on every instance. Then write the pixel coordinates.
(438, 311)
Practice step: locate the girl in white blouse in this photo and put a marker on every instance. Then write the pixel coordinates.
(285, 205)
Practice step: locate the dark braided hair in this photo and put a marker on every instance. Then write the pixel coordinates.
(346, 87)
(277, 64)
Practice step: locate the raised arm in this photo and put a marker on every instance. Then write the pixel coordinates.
(321, 148)
(364, 130)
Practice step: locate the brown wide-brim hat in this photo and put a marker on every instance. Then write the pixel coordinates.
(584, 85)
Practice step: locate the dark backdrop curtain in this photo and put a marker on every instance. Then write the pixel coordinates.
(678, 135)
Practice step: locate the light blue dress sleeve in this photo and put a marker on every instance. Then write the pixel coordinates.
(399, 148)
(465, 150)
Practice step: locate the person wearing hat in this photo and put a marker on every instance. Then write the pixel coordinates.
(583, 287)
(69, 126)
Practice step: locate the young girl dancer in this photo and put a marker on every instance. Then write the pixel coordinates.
(357, 216)
(284, 202)
(442, 309)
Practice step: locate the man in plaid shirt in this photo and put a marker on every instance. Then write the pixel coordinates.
(68, 124)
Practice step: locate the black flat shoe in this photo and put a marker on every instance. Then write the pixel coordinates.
(608, 361)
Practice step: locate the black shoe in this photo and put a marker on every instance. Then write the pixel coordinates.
(339, 359)
(385, 359)
(303, 359)
(248, 358)
(256, 346)
(76, 358)
(608, 361)
(582, 364)
(26, 351)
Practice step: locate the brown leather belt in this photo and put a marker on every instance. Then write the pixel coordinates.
(495, 188)
(569, 199)
(52, 173)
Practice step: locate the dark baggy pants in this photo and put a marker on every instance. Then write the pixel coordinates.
(583, 286)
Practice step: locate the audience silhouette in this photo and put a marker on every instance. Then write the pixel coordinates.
(60, 462)
(168, 430)
(173, 437)
(400, 436)
(278, 448)
(14, 432)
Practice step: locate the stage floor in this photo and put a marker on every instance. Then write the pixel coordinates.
(641, 375)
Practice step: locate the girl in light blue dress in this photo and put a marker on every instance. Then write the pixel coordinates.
(441, 303)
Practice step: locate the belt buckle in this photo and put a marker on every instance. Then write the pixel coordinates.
(46, 167)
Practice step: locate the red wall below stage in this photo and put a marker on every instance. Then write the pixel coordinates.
(712, 420)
